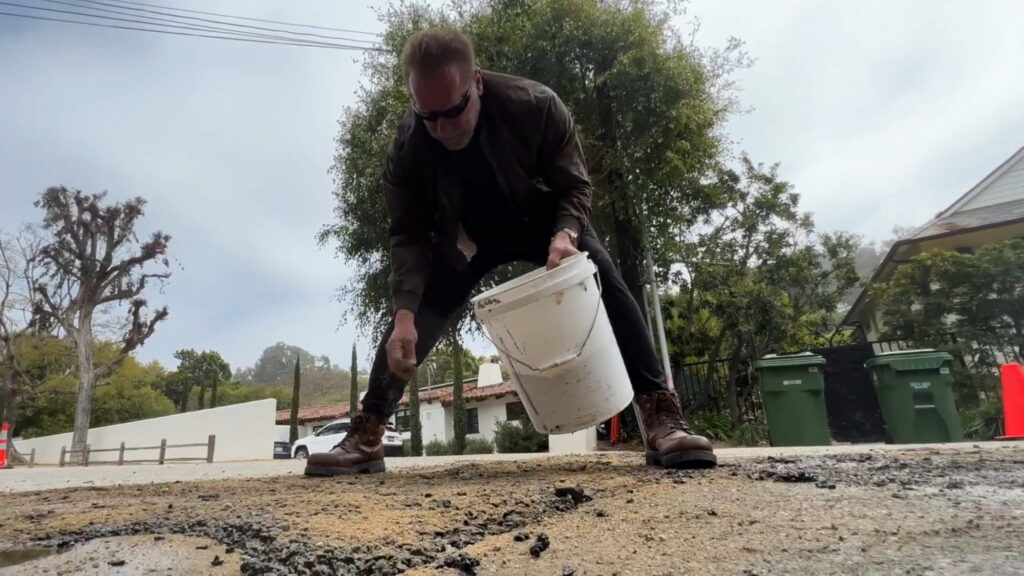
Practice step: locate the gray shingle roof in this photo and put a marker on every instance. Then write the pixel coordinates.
(970, 219)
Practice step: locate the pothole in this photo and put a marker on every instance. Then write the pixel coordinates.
(131, 556)
(21, 555)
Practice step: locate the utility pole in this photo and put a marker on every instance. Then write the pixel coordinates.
(659, 323)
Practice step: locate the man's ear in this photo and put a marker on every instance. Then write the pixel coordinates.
(478, 79)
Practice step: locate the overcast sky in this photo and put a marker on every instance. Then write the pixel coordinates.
(881, 114)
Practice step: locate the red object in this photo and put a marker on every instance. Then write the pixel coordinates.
(1013, 401)
(3, 446)
(613, 435)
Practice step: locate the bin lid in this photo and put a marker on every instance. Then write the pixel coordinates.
(801, 359)
(904, 360)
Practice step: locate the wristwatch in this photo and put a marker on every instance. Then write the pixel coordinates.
(573, 235)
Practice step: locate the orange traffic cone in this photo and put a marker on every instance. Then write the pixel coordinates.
(1013, 401)
(3, 446)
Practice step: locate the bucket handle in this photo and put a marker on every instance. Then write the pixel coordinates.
(567, 359)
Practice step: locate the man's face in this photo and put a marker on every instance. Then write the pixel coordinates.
(448, 103)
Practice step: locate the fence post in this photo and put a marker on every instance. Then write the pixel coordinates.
(209, 448)
(120, 456)
(63, 453)
(32, 458)
(85, 456)
(163, 449)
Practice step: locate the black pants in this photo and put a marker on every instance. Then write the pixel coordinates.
(448, 289)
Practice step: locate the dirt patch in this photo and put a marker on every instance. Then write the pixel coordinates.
(135, 556)
(936, 511)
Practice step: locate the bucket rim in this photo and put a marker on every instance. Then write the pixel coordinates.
(569, 271)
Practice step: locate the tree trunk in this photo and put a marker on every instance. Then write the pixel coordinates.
(628, 243)
(627, 236)
(86, 385)
(415, 428)
(9, 398)
(732, 394)
(458, 404)
(213, 393)
(293, 431)
(11, 408)
(202, 395)
(183, 399)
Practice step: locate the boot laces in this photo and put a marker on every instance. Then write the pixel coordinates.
(361, 425)
(668, 413)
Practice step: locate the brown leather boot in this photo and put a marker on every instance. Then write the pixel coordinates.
(362, 450)
(668, 440)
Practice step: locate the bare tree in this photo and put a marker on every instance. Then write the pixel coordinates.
(19, 321)
(94, 260)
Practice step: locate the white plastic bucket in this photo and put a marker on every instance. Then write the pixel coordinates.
(551, 329)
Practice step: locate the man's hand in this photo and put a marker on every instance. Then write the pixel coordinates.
(401, 346)
(561, 247)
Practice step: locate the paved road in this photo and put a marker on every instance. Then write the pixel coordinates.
(51, 477)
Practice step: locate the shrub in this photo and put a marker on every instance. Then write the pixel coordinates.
(437, 448)
(749, 434)
(517, 437)
(711, 425)
(984, 422)
(479, 446)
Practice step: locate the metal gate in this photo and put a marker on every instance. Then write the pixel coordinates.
(854, 414)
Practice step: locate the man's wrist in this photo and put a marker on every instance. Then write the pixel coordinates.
(567, 234)
(404, 316)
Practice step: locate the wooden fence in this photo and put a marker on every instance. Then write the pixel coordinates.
(209, 444)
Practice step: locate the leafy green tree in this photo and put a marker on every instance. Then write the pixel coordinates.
(443, 361)
(971, 305)
(293, 433)
(757, 277)
(276, 364)
(458, 402)
(353, 388)
(235, 393)
(196, 370)
(648, 106)
(130, 393)
(415, 426)
(93, 256)
(322, 382)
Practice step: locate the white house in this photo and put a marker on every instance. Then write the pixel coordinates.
(489, 400)
(990, 212)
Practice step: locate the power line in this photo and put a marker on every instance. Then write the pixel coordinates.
(235, 38)
(159, 13)
(249, 19)
(157, 22)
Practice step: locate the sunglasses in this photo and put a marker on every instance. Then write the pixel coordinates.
(449, 113)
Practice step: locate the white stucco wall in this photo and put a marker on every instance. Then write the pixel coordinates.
(579, 442)
(432, 422)
(490, 412)
(244, 432)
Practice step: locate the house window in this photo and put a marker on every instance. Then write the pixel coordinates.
(514, 411)
(402, 420)
(472, 421)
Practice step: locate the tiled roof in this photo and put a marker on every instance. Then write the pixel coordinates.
(470, 392)
(315, 413)
(977, 218)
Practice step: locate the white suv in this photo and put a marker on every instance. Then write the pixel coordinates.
(330, 435)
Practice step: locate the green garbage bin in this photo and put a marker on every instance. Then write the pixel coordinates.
(915, 389)
(793, 395)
